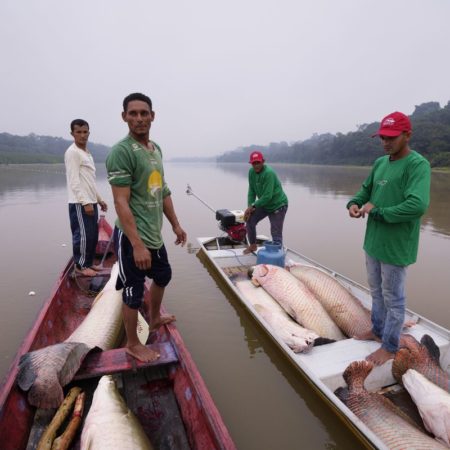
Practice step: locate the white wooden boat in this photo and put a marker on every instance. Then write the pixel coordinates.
(324, 365)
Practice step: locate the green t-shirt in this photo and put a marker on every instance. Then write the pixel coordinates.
(131, 164)
(267, 187)
(400, 191)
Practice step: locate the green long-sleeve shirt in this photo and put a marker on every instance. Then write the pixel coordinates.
(267, 188)
(400, 191)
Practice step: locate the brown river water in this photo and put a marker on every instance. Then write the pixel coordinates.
(264, 401)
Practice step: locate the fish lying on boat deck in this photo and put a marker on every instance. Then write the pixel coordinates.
(297, 300)
(421, 356)
(432, 402)
(388, 422)
(110, 423)
(296, 337)
(343, 307)
(44, 372)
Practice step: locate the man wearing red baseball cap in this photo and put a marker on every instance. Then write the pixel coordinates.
(394, 197)
(265, 198)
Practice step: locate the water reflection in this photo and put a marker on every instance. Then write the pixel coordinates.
(259, 343)
(345, 181)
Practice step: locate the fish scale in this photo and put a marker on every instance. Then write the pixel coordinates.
(299, 339)
(421, 356)
(297, 300)
(44, 372)
(387, 421)
(342, 306)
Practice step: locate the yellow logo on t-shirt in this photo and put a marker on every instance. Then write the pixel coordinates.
(154, 183)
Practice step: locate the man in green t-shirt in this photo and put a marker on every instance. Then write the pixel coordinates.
(265, 198)
(394, 197)
(141, 197)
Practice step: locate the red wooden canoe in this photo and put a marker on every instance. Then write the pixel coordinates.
(169, 397)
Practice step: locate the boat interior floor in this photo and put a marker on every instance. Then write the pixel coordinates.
(150, 396)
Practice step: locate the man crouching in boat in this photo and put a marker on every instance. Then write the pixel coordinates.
(394, 196)
(141, 197)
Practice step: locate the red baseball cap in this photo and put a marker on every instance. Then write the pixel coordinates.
(256, 157)
(394, 125)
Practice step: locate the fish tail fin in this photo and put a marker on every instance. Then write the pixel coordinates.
(323, 341)
(402, 362)
(433, 350)
(44, 372)
(342, 394)
(46, 393)
(408, 341)
(355, 374)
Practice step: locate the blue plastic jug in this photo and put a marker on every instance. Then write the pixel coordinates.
(271, 253)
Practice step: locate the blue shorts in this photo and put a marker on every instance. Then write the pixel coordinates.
(131, 278)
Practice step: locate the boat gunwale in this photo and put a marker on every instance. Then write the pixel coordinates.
(204, 404)
(356, 425)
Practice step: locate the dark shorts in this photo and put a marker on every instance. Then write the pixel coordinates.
(131, 278)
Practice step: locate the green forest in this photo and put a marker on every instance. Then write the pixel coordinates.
(40, 149)
(430, 137)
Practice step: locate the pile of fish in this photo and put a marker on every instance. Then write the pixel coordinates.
(110, 423)
(299, 339)
(322, 308)
(385, 419)
(416, 366)
(44, 372)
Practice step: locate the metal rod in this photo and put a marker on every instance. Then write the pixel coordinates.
(190, 192)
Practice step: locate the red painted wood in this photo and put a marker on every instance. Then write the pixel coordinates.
(117, 360)
(59, 316)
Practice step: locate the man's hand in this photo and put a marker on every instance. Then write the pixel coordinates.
(103, 206)
(181, 235)
(248, 212)
(142, 257)
(366, 209)
(89, 209)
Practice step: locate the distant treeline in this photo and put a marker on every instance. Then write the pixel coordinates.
(40, 149)
(431, 138)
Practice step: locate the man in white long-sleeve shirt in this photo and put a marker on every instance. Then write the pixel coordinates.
(83, 199)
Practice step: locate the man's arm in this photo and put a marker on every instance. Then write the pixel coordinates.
(268, 188)
(141, 254)
(169, 212)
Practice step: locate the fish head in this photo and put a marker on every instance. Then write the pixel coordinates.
(260, 274)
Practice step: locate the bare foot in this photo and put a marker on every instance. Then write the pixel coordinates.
(368, 336)
(87, 272)
(163, 320)
(142, 353)
(380, 356)
(250, 249)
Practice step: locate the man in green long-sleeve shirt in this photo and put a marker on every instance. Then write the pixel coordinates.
(394, 196)
(266, 198)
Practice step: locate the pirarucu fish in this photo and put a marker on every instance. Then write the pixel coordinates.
(296, 299)
(386, 421)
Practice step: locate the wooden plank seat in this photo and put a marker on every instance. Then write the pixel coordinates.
(100, 363)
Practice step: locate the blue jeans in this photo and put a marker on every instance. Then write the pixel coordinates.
(276, 219)
(387, 287)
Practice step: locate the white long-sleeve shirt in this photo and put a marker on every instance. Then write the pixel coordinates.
(80, 174)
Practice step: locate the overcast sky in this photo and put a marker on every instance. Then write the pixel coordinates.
(221, 74)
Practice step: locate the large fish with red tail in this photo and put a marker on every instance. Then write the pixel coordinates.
(388, 422)
(421, 356)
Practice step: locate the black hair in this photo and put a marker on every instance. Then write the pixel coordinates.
(136, 96)
(79, 122)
